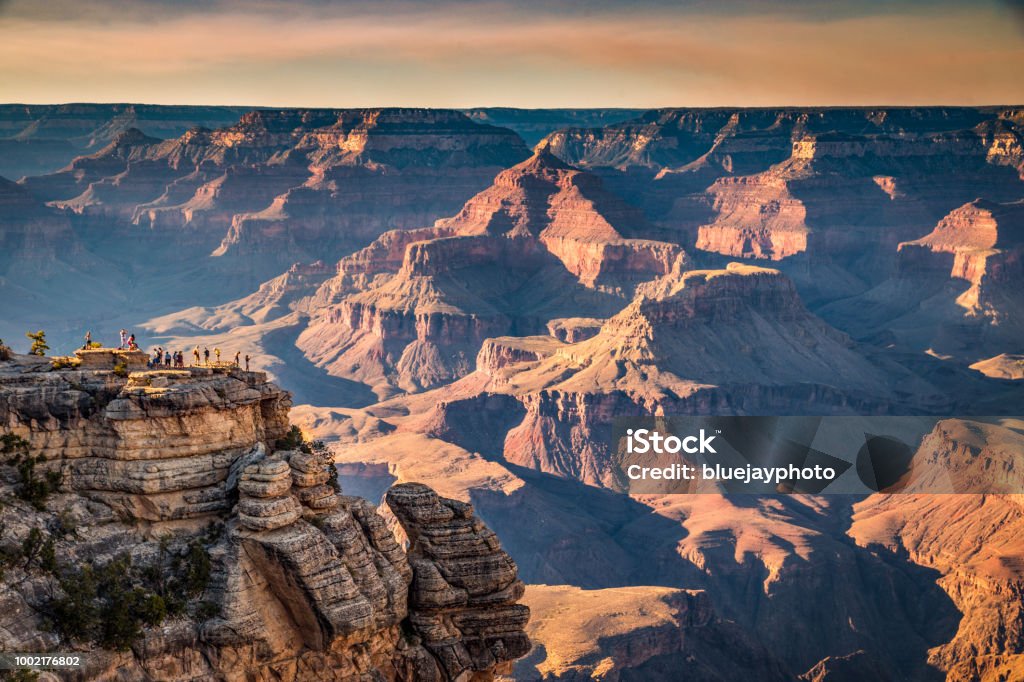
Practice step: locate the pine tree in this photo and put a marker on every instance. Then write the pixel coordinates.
(39, 345)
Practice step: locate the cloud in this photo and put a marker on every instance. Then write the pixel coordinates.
(346, 54)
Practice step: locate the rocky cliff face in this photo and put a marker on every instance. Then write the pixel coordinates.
(289, 580)
(340, 175)
(42, 138)
(955, 290)
(831, 190)
(412, 310)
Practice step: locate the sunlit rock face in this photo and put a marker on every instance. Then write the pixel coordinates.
(303, 582)
(412, 310)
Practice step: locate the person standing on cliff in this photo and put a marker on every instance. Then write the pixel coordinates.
(88, 340)
(124, 339)
(131, 343)
(195, 356)
(246, 362)
(206, 356)
(216, 351)
(237, 355)
(167, 359)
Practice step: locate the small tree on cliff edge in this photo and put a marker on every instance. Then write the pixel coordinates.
(39, 345)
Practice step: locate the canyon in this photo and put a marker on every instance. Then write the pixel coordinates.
(469, 301)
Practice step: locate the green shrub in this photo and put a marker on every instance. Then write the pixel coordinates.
(109, 604)
(121, 369)
(31, 487)
(39, 550)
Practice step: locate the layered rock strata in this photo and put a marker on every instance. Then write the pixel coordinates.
(412, 310)
(464, 587)
(304, 582)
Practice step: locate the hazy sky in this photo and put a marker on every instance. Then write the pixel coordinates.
(501, 53)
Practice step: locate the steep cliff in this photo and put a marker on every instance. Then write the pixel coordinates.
(736, 341)
(174, 490)
(412, 309)
(955, 290)
(286, 181)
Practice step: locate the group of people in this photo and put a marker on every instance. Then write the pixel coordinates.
(168, 359)
(165, 358)
(127, 341)
(205, 358)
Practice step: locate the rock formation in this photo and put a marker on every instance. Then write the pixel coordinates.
(971, 540)
(412, 310)
(465, 589)
(36, 139)
(955, 291)
(685, 345)
(303, 582)
(833, 190)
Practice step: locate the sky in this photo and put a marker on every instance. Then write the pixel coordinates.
(527, 53)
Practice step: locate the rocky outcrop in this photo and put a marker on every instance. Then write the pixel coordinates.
(464, 592)
(301, 582)
(985, 241)
(412, 310)
(574, 329)
(42, 138)
(153, 445)
(954, 292)
(971, 540)
(265, 500)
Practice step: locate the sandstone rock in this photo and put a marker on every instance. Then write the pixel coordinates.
(464, 587)
(557, 236)
(292, 600)
(155, 452)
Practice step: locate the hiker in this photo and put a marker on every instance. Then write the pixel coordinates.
(167, 359)
(217, 353)
(180, 358)
(195, 355)
(237, 354)
(246, 362)
(124, 339)
(206, 355)
(131, 343)
(159, 356)
(88, 340)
